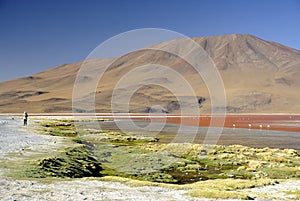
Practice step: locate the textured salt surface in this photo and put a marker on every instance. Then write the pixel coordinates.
(14, 138)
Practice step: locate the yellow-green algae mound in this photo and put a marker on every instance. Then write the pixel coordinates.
(74, 162)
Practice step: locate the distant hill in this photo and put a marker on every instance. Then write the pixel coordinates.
(259, 77)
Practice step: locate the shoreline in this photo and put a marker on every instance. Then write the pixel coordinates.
(265, 121)
(253, 137)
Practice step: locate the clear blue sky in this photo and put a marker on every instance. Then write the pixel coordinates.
(39, 34)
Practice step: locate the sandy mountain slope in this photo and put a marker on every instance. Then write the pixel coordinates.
(258, 75)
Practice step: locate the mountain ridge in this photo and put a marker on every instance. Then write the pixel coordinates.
(258, 75)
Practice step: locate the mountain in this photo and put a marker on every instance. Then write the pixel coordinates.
(259, 77)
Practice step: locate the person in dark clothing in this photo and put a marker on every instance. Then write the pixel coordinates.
(25, 118)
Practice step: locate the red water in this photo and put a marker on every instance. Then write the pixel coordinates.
(269, 122)
(282, 122)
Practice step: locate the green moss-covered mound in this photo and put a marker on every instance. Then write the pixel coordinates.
(73, 162)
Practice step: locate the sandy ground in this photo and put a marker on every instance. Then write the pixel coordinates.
(81, 189)
(14, 138)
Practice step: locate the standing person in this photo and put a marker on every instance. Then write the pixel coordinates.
(25, 118)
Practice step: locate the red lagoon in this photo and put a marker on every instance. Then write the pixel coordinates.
(282, 122)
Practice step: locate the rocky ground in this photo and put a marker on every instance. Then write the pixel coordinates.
(81, 189)
(17, 142)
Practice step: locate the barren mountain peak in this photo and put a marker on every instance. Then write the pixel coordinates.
(259, 76)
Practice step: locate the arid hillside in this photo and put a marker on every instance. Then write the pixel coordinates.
(259, 77)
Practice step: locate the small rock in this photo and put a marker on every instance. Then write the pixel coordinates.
(250, 170)
(203, 152)
(291, 152)
(241, 168)
(254, 164)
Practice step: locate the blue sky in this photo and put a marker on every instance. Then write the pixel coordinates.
(39, 34)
